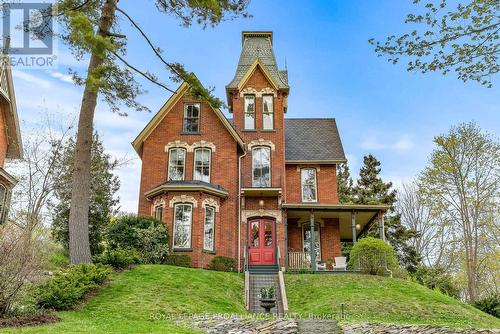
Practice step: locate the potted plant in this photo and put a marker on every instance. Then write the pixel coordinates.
(329, 264)
(268, 298)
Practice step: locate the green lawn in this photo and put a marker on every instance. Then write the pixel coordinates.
(125, 306)
(379, 299)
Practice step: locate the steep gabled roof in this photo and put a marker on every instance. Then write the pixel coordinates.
(14, 144)
(257, 49)
(313, 140)
(165, 109)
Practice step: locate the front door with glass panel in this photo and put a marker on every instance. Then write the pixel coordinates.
(261, 243)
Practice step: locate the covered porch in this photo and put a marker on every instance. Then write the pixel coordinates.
(317, 231)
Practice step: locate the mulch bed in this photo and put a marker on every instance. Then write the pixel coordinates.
(34, 320)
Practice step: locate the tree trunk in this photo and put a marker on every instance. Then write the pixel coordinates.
(79, 246)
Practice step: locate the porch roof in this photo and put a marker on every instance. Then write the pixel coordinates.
(365, 215)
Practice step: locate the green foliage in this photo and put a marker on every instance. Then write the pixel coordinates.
(345, 187)
(437, 279)
(490, 305)
(448, 37)
(147, 235)
(268, 292)
(58, 259)
(373, 256)
(66, 288)
(103, 188)
(222, 263)
(119, 258)
(180, 260)
(371, 189)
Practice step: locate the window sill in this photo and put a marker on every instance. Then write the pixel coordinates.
(182, 249)
(209, 251)
(268, 130)
(309, 202)
(190, 133)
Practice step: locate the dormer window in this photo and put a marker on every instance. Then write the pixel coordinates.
(309, 185)
(249, 112)
(191, 122)
(176, 161)
(261, 167)
(267, 112)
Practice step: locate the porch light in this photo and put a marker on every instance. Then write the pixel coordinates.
(358, 227)
(261, 203)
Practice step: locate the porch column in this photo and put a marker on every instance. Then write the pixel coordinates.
(381, 225)
(353, 226)
(285, 220)
(312, 246)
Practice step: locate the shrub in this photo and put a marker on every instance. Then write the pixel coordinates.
(222, 263)
(437, 279)
(147, 235)
(181, 260)
(66, 288)
(373, 256)
(490, 305)
(119, 258)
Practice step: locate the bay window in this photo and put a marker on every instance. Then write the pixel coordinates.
(209, 229)
(183, 215)
(249, 101)
(261, 167)
(176, 162)
(202, 164)
(267, 112)
(309, 186)
(159, 212)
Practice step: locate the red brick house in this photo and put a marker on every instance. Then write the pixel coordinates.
(252, 187)
(10, 136)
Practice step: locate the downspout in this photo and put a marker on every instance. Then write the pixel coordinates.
(239, 208)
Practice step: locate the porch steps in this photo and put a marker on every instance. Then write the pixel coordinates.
(268, 269)
(258, 280)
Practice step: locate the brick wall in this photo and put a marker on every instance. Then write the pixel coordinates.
(326, 179)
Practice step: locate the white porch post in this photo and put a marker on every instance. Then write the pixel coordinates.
(313, 244)
(382, 226)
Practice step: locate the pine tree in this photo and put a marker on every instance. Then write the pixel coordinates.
(371, 189)
(103, 187)
(344, 184)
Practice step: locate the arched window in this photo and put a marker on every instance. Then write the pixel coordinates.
(261, 167)
(176, 163)
(209, 229)
(183, 221)
(309, 185)
(202, 157)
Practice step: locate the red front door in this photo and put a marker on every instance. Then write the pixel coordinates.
(261, 243)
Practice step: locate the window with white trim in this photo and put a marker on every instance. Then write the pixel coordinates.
(159, 212)
(209, 229)
(309, 185)
(267, 112)
(202, 158)
(191, 122)
(249, 118)
(176, 162)
(261, 167)
(4, 203)
(183, 218)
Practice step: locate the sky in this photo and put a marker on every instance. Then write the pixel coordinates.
(380, 108)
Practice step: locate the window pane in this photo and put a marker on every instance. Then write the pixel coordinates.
(308, 179)
(250, 121)
(249, 112)
(191, 118)
(176, 164)
(202, 165)
(254, 240)
(159, 213)
(268, 122)
(261, 167)
(306, 242)
(250, 104)
(268, 234)
(208, 242)
(182, 226)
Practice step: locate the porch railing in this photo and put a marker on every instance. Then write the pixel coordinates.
(298, 260)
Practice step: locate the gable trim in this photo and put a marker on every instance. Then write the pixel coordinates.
(165, 109)
(250, 71)
(14, 142)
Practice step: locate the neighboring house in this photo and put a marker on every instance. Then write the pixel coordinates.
(260, 188)
(10, 136)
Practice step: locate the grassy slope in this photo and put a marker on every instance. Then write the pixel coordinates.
(380, 299)
(126, 304)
